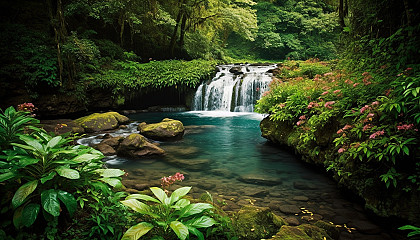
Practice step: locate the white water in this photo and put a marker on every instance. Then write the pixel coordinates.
(233, 92)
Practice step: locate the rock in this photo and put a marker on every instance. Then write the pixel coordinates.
(301, 198)
(259, 180)
(331, 229)
(289, 209)
(236, 70)
(304, 186)
(105, 149)
(168, 129)
(136, 146)
(101, 121)
(292, 221)
(302, 232)
(223, 172)
(365, 227)
(190, 164)
(256, 223)
(61, 126)
(113, 141)
(256, 193)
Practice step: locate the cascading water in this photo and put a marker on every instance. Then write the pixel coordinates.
(235, 88)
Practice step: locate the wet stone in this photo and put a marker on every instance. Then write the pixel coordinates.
(257, 193)
(304, 186)
(289, 209)
(292, 221)
(365, 227)
(301, 198)
(259, 180)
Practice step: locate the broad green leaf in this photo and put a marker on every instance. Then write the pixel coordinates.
(54, 141)
(181, 203)
(114, 182)
(194, 209)
(33, 143)
(25, 161)
(84, 157)
(137, 231)
(50, 203)
(142, 197)
(7, 176)
(17, 217)
(201, 222)
(179, 193)
(196, 232)
(68, 200)
(180, 229)
(67, 172)
(48, 177)
(110, 172)
(29, 214)
(136, 205)
(24, 191)
(159, 193)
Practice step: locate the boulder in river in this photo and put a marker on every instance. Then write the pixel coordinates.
(168, 129)
(136, 145)
(102, 121)
(260, 180)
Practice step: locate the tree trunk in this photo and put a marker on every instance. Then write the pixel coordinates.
(407, 12)
(174, 34)
(341, 13)
(182, 34)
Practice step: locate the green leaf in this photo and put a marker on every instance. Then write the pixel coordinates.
(137, 231)
(196, 232)
(25, 161)
(201, 222)
(106, 173)
(7, 176)
(179, 193)
(114, 182)
(159, 193)
(142, 197)
(194, 209)
(17, 217)
(33, 143)
(180, 229)
(136, 206)
(54, 141)
(29, 214)
(48, 177)
(68, 200)
(85, 157)
(24, 191)
(181, 203)
(67, 172)
(50, 203)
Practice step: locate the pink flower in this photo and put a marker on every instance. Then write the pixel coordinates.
(340, 131)
(337, 91)
(376, 134)
(324, 93)
(341, 150)
(370, 115)
(375, 103)
(167, 181)
(347, 127)
(328, 104)
(363, 109)
(366, 127)
(303, 117)
(328, 74)
(405, 127)
(300, 122)
(355, 85)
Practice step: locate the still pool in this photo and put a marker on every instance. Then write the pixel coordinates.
(224, 154)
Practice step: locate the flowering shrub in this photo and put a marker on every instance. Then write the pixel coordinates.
(167, 181)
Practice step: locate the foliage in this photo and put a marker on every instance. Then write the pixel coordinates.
(168, 212)
(13, 125)
(414, 230)
(379, 126)
(130, 75)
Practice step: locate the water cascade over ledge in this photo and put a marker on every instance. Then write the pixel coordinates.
(235, 88)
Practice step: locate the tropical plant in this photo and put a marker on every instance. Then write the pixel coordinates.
(47, 171)
(168, 212)
(415, 231)
(13, 125)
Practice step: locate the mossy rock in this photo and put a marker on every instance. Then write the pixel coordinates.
(302, 232)
(101, 121)
(137, 146)
(256, 223)
(168, 129)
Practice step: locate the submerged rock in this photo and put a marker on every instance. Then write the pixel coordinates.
(301, 232)
(101, 121)
(136, 146)
(168, 129)
(260, 180)
(190, 164)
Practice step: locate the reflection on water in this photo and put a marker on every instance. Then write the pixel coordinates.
(223, 153)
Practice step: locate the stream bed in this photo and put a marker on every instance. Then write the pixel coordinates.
(223, 153)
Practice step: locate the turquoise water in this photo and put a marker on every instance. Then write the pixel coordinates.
(232, 149)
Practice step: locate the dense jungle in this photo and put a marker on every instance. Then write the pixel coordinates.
(210, 119)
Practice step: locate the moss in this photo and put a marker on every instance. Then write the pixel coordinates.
(291, 233)
(101, 121)
(166, 130)
(256, 223)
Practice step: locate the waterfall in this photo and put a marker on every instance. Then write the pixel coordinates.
(235, 88)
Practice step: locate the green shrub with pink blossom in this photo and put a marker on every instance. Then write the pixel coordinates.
(375, 118)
